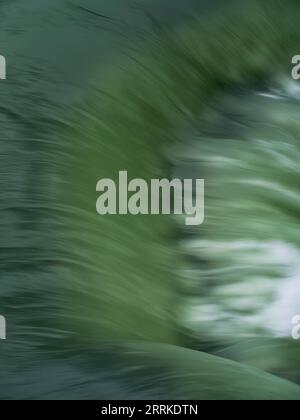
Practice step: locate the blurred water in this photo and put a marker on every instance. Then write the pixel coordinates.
(243, 263)
(241, 266)
(55, 50)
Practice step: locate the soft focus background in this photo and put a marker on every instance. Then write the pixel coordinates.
(144, 307)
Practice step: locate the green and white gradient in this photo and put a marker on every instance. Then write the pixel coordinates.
(137, 307)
